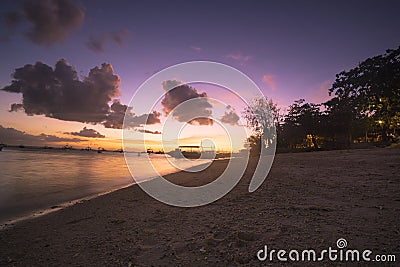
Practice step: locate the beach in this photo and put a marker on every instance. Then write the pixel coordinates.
(308, 201)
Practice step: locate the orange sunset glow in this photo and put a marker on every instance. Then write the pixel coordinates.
(199, 133)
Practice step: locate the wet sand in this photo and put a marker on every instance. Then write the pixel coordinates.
(309, 200)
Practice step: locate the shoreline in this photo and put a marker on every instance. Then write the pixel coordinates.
(11, 222)
(309, 200)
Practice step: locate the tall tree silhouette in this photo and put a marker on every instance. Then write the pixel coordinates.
(262, 116)
(303, 120)
(372, 89)
(343, 121)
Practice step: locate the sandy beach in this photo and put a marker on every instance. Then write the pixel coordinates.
(309, 200)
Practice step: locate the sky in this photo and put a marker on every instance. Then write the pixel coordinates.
(290, 49)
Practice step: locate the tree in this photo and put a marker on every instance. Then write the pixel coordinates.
(262, 116)
(373, 90)
(343, 122)
(303, 120)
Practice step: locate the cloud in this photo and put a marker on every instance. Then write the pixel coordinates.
(11, 19)
(201, 108)
(269, 80)
(86, 132)
(230, 117)
(16, 107)
(59, 93)
(52, 138)
(196, 48)
(132, 121)
(148, 131)
(242, 59)
(15, 137)
(50, 20)
(96, 43)
(119, 37)
(115, 118)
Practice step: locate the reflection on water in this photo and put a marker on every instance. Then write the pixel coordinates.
(35, 180)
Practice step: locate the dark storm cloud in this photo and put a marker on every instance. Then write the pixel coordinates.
(115, 118)
(180, 93)
(230, 117)
(86, 132)
(15, 137)
(50, 21)
(148, 131)
(59, 93)
(96, 43)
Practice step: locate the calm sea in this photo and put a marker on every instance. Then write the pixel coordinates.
(31, 181)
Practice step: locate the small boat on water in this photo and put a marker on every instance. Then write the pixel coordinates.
(66, 147)
(1, 146)
(193, 152)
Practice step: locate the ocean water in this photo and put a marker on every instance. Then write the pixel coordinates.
(35, 180)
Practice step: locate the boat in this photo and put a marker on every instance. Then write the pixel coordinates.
(66, 147)
(1, 146)
(88, 148)
(193, 152)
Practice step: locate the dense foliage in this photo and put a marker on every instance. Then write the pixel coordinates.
(365, 107)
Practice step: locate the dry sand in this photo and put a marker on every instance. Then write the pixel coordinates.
(309, 200)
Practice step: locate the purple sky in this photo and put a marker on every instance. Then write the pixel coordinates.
(291, 49)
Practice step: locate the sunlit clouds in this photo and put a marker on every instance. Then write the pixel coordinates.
(86, 132)
(230, 116)
(269, 81)
(239, 57)
(200, 109)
